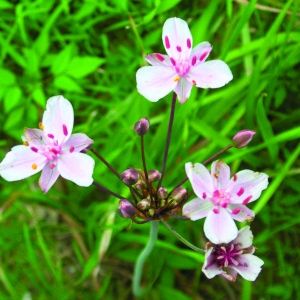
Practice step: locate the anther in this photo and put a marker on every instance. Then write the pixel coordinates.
(50, 135)
(71, 149)
(34, 166)
(167, 42)
(25, 143)
(65, 130)
(177, 78)
(240, 192)
(178, 48)
(34, 149)
(41, 126)
(188, 43)
(159, 57)
(203, 56)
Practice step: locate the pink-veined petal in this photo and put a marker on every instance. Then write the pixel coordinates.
(210, 268)
(21, 162)
(155, 82)
(200, 53)
(197, 209)
(157, 59)
(241, 212)
(177, 38)
(244, 238)
(58, 119)
(252, 266)
(219, 227)
(220, 173)
(35, 137)
(77, 142)
(183, 90)
(77, 167)
(210, 74)
(200, 179)
(48, 177)
(247, 186)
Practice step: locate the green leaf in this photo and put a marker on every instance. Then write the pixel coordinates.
(62, 60)
(12, 98)
(66, 83)
(81, 66)
(7, 78)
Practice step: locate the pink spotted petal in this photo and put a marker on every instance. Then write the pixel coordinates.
(35, 137)
(241, 213)
(77, 142)
(220, 173)
(177, 38)
(219, 227)
(58, 119)
(244, 238)
(200, 53)
(48, 177)
(183, 90)
(210, 268)
(156, 59)
(200, 179)
(210, 74)
(77, 167)
(155, 82)
(20, 163)
(252, 266)
(247, 186)
(197, 209)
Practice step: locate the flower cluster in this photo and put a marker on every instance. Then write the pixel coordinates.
(222, 198)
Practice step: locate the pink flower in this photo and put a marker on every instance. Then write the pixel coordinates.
(182, 68)
(233, 258)
(51, 149)
(222, 199)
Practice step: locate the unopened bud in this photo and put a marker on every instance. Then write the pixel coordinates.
(243, 138)
(141, 127)
(130, 176)
(162, 193)
(126, 209)
(144, 204)
(141, 185)
(179, 193)
(154, 175)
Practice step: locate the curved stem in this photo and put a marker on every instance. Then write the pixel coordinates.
(180, 237)
(104, 189)
(145, 166)
(138, 268)
(168, 140)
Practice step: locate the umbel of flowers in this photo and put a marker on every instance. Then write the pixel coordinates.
(221, 197)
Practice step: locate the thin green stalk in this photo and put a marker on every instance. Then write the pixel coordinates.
(139, 265)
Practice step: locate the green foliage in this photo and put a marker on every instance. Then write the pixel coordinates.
(70, 244)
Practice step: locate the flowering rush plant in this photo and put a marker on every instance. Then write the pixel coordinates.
(221, 197)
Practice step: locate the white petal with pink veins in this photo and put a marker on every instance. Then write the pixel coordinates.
(200, 53)
(77, 142)
(48, 177)
(183, 90)
(197, 209)
(220, 173)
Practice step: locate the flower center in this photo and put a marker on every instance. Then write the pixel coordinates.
(227, 255)
(181, 66)
(221, 198)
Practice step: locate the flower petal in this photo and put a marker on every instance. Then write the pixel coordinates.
(241, 212)
(244, 238)
(157, 59)
(210, 268)
(77, 142)
(200, 53)
(219, 227)
(200, 179)
(197, 209)
(77, 167)
(210, 74)
(155, 82)
(58, 119)
(183, 90)
(252, 266)
(48, 177)
(177, 38)
(246, 186)
(35, 137)
(220, 173)
(21, 162)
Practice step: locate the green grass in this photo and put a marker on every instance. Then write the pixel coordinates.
(70, 243)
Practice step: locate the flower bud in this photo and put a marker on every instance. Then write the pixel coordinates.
(242, 138)
(144, 204)
(154, 175)
(141, 127)
(162, 193)
(179, 193)
(126, 209)
(130, 176)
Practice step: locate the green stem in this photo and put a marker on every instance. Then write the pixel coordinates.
(139, 265)
(180, 237)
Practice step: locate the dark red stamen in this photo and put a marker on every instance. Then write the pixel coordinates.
(240, 192)
(194, 60)
(194, 82)
(203, 56)
(234, 177)
(50, 135)
(72, 149)
(34, 149)
(159, 57)
(178, 48)
(215, 210)
(236, 211)
(204, 195)
(246, 201)
(188, 43)
(173, 61)
(65, 130)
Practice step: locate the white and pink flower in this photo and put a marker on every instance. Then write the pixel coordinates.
(233, 258)
(52, 149)
(182, 68)
(222, 199)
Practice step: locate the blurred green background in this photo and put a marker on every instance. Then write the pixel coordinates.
(70, 243)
